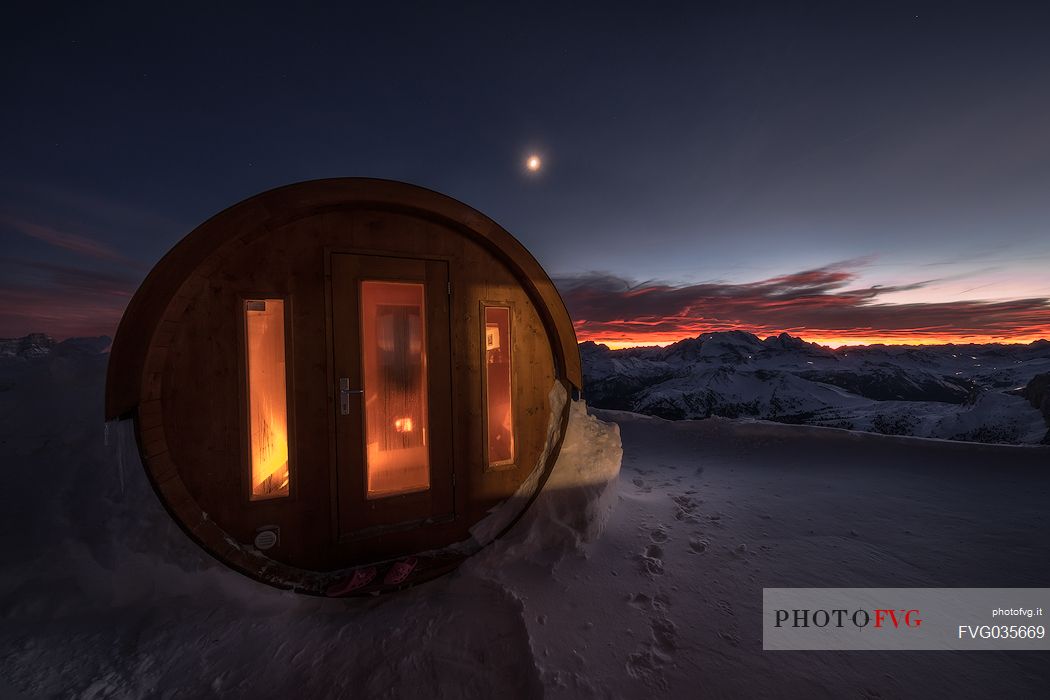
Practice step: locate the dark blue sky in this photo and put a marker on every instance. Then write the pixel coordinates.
(695, 144)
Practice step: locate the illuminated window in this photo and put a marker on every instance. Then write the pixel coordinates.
(499, 424)
(394, 359)
(267, 397)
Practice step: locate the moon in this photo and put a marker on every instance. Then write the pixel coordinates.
(533, 163)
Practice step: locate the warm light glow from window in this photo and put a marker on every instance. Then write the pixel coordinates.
(499, 425)
(393, 337)
(267, 397)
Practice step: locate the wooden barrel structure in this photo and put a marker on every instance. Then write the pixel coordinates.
(345, 372)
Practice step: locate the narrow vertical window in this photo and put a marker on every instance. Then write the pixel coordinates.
(267, 397)
(394, 361)
(499, 425)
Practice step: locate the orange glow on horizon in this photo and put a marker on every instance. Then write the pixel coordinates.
(820, 337)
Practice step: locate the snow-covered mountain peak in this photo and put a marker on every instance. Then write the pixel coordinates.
(27, 347)
(36, 345)
(928, 391)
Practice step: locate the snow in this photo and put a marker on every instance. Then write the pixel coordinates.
(27, 347)
(576, 501)
(637, 578)
(500, 517)
(920, 391)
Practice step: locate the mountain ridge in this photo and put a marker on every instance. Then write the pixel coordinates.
(961, 392)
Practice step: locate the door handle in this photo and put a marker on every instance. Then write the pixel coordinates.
(344, 395)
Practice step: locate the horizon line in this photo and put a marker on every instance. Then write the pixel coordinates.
(833, 344)
(623, 344)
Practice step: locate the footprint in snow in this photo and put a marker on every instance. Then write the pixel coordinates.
(665, 635)
(647, 662)
(730, 636)
(651, 560)
(685, 508)
(658, 603)
(645, 666)
(658, 535)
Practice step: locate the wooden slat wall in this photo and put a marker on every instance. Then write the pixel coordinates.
(264, 212)
(177, 363)
(191, 415)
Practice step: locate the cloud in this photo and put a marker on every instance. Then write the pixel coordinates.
(68, 241)
(85, 298)
(820, 302)
(61, 300)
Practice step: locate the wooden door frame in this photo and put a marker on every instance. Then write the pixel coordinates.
(439, 383)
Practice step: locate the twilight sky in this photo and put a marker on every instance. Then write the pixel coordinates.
(848, 172)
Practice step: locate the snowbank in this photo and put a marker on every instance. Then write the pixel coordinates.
(102, 596)
(575, 504)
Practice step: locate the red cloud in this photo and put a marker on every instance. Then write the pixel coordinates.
(817, 304)
(69, 241)
(61, 301)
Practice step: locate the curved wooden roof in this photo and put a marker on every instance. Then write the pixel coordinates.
(289, 203)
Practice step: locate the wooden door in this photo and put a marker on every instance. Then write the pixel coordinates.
(393, 395)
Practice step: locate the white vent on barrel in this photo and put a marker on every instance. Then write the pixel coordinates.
(266, 538)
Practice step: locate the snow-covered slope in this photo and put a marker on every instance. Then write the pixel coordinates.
(1037, 393)
(645, 584)
(957, 392)
(32, 345)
